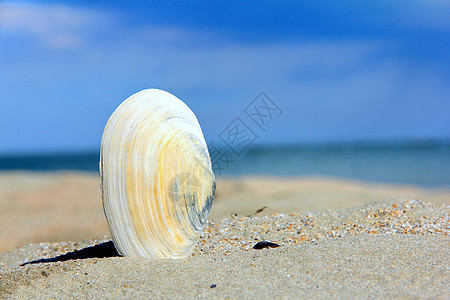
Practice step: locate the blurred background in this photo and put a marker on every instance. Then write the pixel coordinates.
(342, 90)
(366, 79)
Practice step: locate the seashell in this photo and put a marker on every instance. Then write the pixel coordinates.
(157, 181)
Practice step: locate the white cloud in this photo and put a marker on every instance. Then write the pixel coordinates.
(335, 79)
(169, 54)
(57, 26)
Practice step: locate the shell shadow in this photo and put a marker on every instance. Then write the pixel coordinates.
(102, 250)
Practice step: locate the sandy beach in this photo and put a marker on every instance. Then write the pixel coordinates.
(66, 206)
(337, 238)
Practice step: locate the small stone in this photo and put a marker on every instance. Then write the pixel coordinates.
(265, 244)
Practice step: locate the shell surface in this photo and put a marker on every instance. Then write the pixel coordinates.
(157, 181)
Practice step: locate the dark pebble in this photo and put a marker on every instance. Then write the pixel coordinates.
(265, 244)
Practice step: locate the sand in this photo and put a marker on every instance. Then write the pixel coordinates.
(396, 248)
(353, 267)
(61, 206)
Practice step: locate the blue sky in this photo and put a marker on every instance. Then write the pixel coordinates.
(340, 71)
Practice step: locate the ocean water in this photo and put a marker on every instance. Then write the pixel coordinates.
(422, 164)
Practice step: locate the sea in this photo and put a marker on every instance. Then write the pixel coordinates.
(425, 164)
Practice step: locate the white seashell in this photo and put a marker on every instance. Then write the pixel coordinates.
(157, 181)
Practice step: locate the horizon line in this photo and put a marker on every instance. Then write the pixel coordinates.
(286, 145)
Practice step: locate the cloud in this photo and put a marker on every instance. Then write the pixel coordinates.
(181, 57)
(328, 87)
(56, 26)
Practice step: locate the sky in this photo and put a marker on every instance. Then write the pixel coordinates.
(338, 70)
